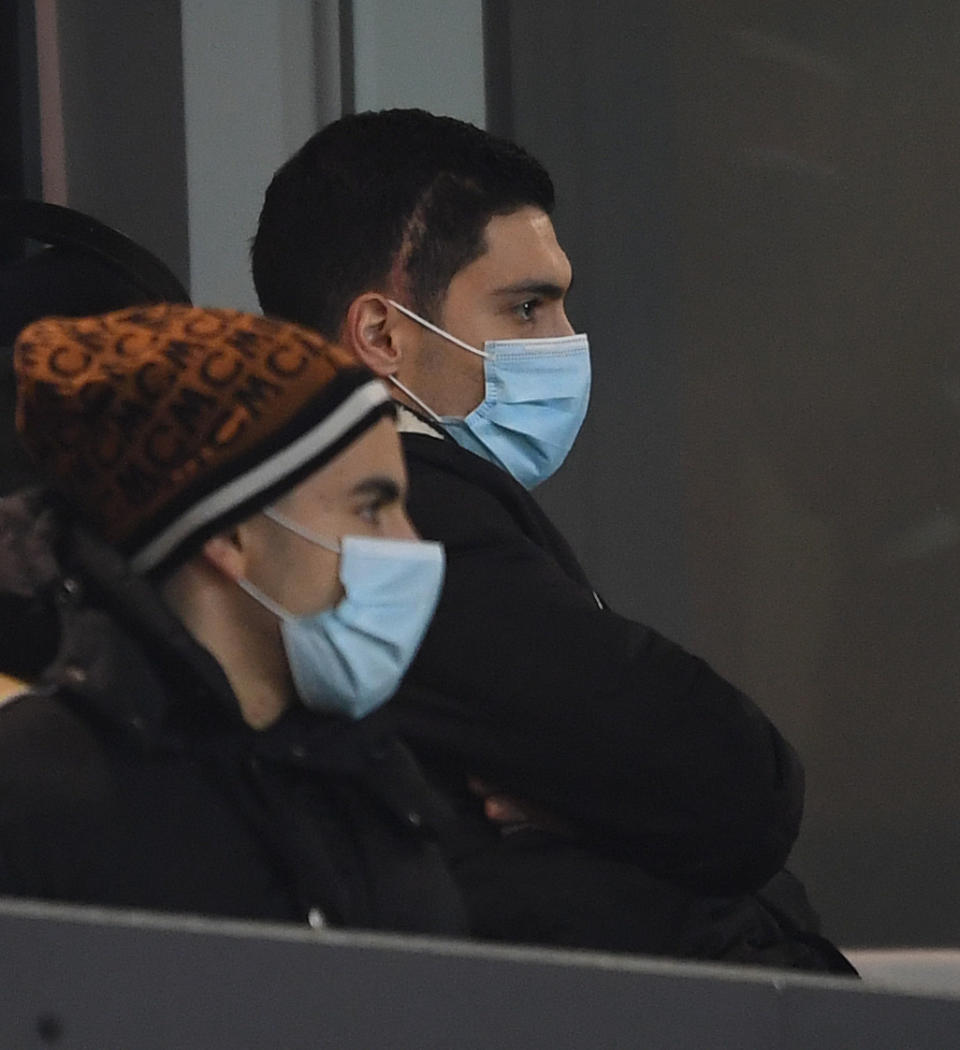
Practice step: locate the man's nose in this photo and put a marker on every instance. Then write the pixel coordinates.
(403, 529)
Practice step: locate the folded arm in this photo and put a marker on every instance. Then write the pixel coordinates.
(598, 719)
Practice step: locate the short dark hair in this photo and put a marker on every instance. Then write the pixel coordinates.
(399, 191)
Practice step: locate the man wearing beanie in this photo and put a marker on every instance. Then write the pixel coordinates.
(235, 584)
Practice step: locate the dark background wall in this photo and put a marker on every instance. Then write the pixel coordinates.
(19, 127)
(761, 205)
(121, 79)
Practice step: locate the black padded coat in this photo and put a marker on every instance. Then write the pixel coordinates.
(128, 777)
(678, 799)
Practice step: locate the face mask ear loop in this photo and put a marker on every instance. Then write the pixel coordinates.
(265, 600)
(439, 331)
(300, 530)
(416, 400)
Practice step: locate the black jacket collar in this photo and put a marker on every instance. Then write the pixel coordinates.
(520, 505)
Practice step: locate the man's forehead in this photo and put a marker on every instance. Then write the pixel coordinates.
(523, 255)
(372, 461)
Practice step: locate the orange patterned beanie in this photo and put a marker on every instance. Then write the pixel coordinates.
(165, 424)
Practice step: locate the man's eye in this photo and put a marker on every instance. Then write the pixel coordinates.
(527, 309)
(370, 513)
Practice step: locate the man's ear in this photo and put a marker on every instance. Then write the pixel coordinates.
(375, 332)
(225, 552)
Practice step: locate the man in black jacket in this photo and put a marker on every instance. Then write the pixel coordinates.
(642, 801)
(235, 581)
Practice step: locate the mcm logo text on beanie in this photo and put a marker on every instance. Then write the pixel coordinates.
(164, 424)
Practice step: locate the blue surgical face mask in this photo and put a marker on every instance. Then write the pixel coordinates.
(350, 658)
(535, 401)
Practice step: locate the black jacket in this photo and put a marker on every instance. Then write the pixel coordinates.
(128, 777)
(682, 798)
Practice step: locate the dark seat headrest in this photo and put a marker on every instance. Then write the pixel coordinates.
(58, 261)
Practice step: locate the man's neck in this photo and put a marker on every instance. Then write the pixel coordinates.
(253, 659)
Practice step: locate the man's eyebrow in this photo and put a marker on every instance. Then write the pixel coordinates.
(544, 289)
(385, 489)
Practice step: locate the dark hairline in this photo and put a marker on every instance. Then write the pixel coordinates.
(431, 224)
